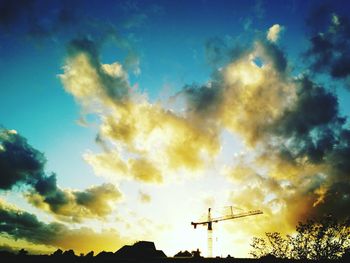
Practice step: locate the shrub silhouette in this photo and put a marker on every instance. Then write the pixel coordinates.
(326, 238)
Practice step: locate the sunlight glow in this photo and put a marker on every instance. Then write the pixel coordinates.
(245, 72)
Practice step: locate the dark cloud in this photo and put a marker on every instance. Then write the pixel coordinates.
(59, 21)
(313, 134)
(312, 126)
(316, 19)
(12, 11)
(329, 50)
(74, 205)
(19, 162)
(22, 165)
(22, 225)
(7, 248)
(38, 19)
(86, 46)
(94, 198)
(307, 113)
(203, 99)
(275, 55)
(336, 200)
(46, 185)
(338, 158)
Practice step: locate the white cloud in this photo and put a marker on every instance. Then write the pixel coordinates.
(274, 32)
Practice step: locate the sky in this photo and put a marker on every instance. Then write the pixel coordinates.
(126, 120)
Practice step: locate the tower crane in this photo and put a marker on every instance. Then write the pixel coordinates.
(210, 220)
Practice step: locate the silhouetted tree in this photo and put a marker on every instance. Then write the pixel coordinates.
(69, 253)
(324, 239)
(58, 252)
(22, 252)
(274, 244)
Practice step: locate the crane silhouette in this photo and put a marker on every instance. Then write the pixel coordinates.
(210, 220)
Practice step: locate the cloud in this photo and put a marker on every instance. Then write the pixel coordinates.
(293, 131)
(144, 197)
(107, 81)
(296, 149)
(203, 100)
(272, 53)
(141, 140)
(329, 50)
(61, 21)
(144, 170)
(278, 115)
(22, 165)
(219, 52)
(309, 97)
(280, 199)
(19, 162)
(19, 224)
(5, 247)
(274, 32)
(27, 17)
(232, 98)
(74, 205)
(291, 127)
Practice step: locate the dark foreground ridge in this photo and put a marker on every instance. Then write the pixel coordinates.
(143, 252)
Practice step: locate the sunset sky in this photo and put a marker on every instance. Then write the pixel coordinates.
(126, 120)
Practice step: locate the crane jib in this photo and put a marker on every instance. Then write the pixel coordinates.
(234, 216)
(211, 220)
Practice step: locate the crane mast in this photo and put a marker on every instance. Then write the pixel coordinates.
(210, 220)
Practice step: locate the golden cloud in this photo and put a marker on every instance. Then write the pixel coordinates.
(144, 140)
(67, 205)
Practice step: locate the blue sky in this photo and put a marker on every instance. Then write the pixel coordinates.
(162, 46)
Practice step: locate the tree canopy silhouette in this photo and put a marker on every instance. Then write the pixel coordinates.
(326, 238)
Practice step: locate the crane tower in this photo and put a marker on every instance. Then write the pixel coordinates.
(210, 220)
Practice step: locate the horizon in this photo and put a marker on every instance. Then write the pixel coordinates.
(126, 120)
